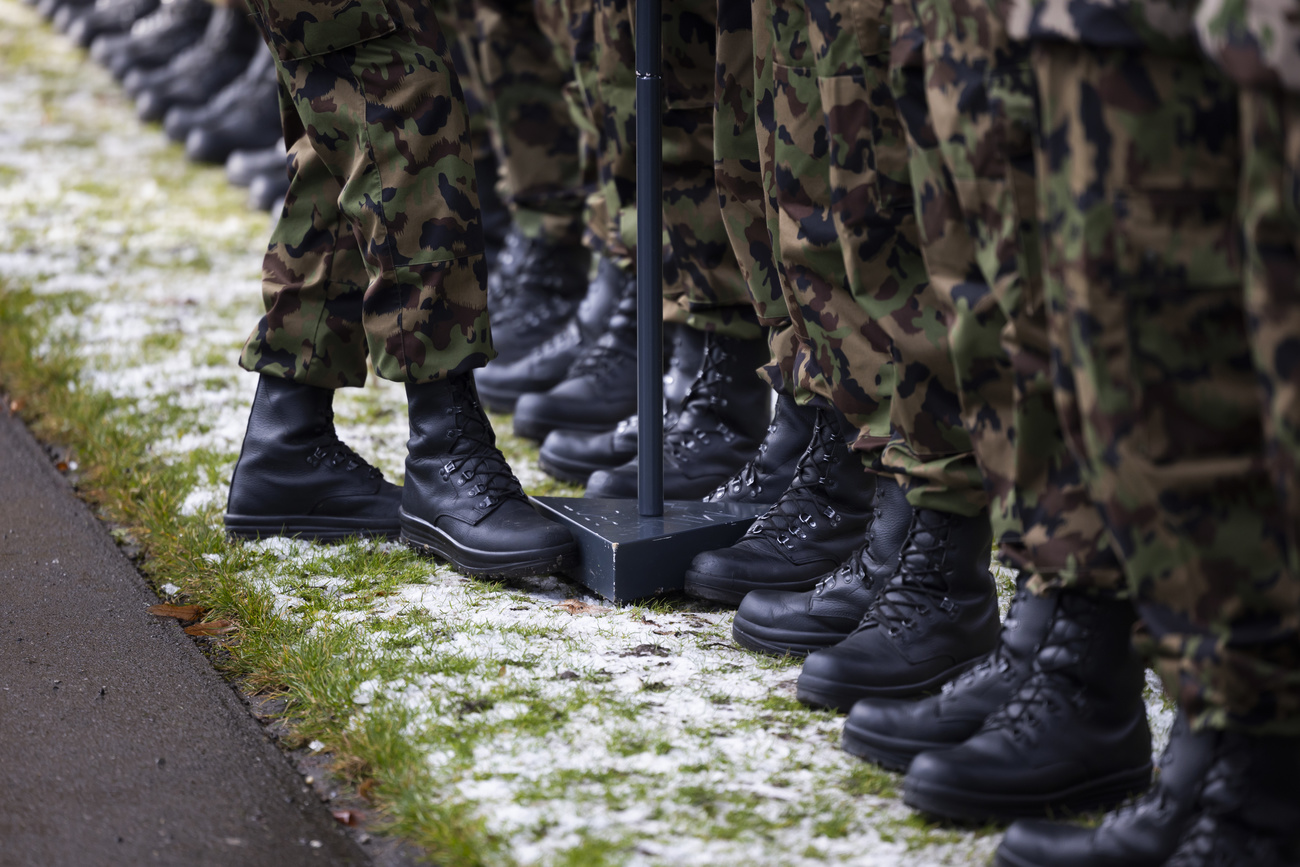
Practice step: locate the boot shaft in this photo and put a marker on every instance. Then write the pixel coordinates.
(890, 521)
(289, 413)
(444, 413)
(727, 388)
(603, 296)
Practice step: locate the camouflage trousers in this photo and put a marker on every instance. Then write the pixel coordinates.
(570, 29)
(1257, 44)
(703, 286)
(1146, 298)
(928, 445)
(538, 145)
(820, 209)
(974, 175)
(380, 236)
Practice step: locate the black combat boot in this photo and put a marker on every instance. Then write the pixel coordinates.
(63, 13)
(890, 732)
(50, 10)
(933, 619)
(810, 530)
(599, 389)
(155, 39)
(246, 94)
(243, 167)
(107, 17)
(198, 74)
(573, 456)
(719, 428)
(1248, 809)
(461, 502)
(780, 623)
(500, 385)
(1136, 835)
(294, 477)
(1073, 737)
(267, 190)
(768, 473)
(251, 122)
(533, 292)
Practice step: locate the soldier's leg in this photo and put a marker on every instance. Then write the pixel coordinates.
(738, 177)
(979, 215)
(1171, 423)
(397, 147)
(294, 476)
(543, 274)
(543, 282)
(726, 411)
(456, 18)
(822, 517)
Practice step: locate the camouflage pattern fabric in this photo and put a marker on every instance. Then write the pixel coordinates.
(704, 288)
(804, 49)
(1139, 259)
(738, 175)
(1256, 42)
(569, 27)
(371, 84)
(929, 446)
(464, 59)
(540, 145)
(1149, 25)
(980, 223)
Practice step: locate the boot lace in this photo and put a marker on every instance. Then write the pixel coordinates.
(706, 396)
(474, 456)
(912, 592)
(853, 570)
(803, 503)
(1054, 682)
(747, 477)
(333, 453)
(995, 663)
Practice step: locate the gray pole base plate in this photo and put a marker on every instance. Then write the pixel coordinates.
(624, 556)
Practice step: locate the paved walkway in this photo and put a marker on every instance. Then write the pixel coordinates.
(119, 744)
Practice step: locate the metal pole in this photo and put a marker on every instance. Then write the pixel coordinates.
(649, 258)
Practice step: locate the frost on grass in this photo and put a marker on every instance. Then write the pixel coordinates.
(575, 732)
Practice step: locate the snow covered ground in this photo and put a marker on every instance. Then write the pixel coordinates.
(569, 731)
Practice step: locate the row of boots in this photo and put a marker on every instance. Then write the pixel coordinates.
(566, 368)
(894, 610)
(200, 70)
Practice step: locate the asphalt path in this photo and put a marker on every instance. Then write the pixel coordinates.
(119, 743)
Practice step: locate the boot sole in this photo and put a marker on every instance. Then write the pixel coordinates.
(537, 429)
(499, 402)
(576, 474)
(699, 585)
(778, 642)
(1101, 793)
(1007, 859)
(894, 754)
(425, 538)
(312, 528)
(840, 697)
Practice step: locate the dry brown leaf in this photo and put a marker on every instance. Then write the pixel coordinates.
(17, 405)
(347, 817)
(61, 466)
(180, 612)
(366, 787)
(577, 606)
(212, 627)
